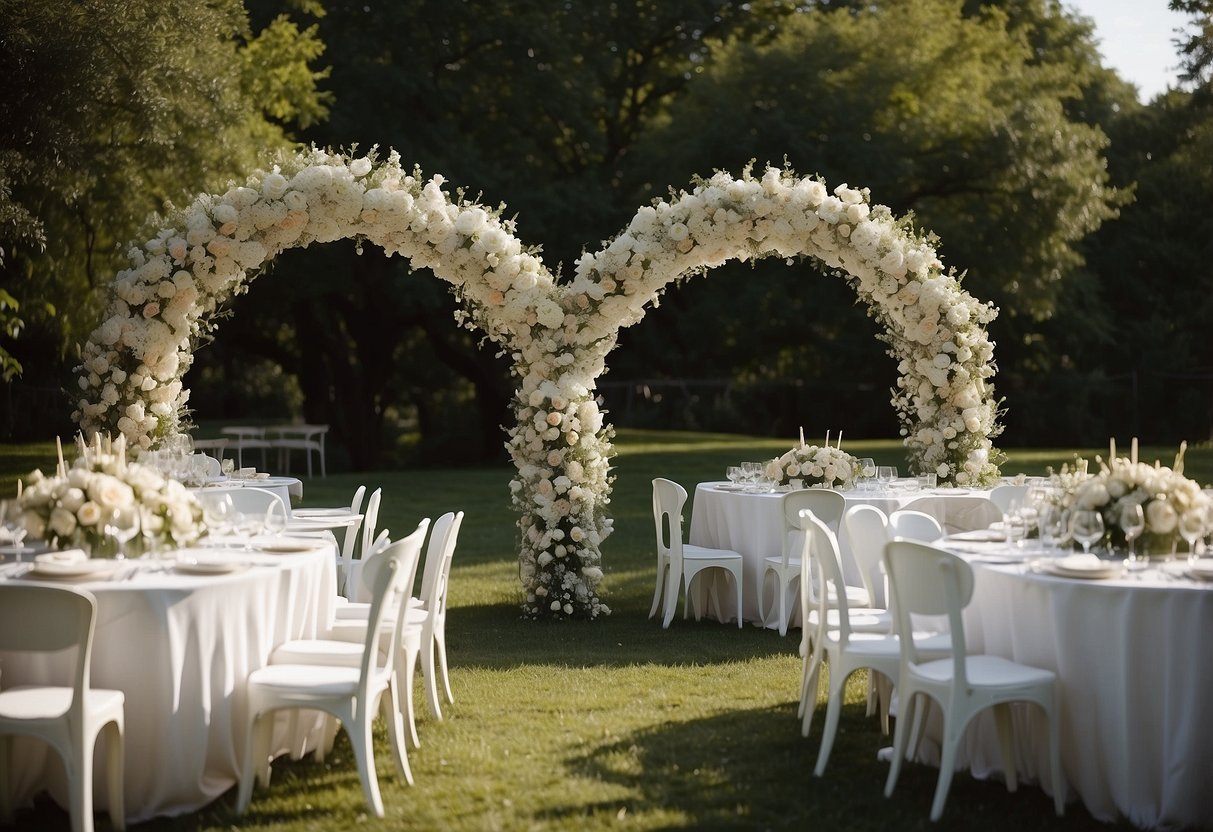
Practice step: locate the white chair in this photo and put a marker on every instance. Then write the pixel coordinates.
(914, 525)
(678, 564)
(243, 438)
(256, 501)
(1007, 495)
(69, 719)
(351, 523)
(785, 568)
(426, 620)
(350, 685)
(867, 532)
(958, 513)
(929, 581)
(836, 641)
(348, 569)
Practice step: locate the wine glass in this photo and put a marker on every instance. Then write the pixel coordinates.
(1015, 526)
(885, 474)
(217, 511)
(1052, 522)
(1132, 521)
(733, 474)
(1086, 526)
(867, 470)
(227, 467)
(274, 522)
(124, 524)
(13, 529)
(1191, 528)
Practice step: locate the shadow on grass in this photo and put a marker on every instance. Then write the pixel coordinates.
(496, 636)
(751, 769)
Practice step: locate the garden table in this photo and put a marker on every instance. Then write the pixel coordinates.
(180, 647)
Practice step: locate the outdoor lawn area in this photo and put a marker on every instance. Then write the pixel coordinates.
(614, 723)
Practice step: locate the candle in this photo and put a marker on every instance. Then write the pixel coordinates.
(839, 443)
(18, 489)
(802, 436)
(62, 469)
(1133, 451)
(1112, 450)
(827, 439)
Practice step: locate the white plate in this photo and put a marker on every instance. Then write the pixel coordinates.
(302, 513)
(96, 568)
(212, 565)
(1083, 566)
(286, 545)
(728, 486)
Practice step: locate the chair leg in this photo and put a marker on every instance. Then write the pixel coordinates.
(80, 785)
(1059, 780)
(785, 614)
(248, 770)
(808, 693)
(672, 582)
(115, 762)
(410, 674)
(364, 757)
(431, 680)
(901, 738)
(838, 682)
(947, 766)
(440, 646)
(1006, 744)
(737, 585)
(390, 708)
(6, 801)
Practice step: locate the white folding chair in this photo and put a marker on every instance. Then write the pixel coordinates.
(836, 641)
(914, 525)
(678, 564)
(256, 501)
(930, 581)
(784, 569)
(46, 619)
(348, 575)
(350, 685)
(425, 625)
(1007, 495)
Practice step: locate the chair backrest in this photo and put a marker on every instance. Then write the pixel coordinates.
(925, 580)
(385, 572)
(435, 602)
(668, 499)
(212, 467)
(914, 525)
(867, 530)
(361, 591)
(958, 513)
(820, 560)
(356, 503)
(370, 518)
(826, 505)
(255, 500)
(46, 619)
(1004, 496)
(433, 557)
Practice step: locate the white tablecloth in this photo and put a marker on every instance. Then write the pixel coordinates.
(181, 647)
(752, 524)
(1135, 663)
(284, 487)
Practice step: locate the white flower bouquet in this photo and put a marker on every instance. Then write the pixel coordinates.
(1164, 494)
(73, 508)
(814, 466)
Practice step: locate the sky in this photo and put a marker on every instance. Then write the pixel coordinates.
(1135, 40)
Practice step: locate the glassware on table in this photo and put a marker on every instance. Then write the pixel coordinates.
(927, 482)
(275, 520)
(749, 473)
(123, 524)
(1015, 526)
(1132, 521)
(12, 529)
(885, 475)
(1086, 526)
(732, 474)
(867, 472)
(1052, 522)
(227, 467)
(1192, 529)
(217, 513)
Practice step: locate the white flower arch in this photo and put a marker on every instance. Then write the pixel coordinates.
(558, 334)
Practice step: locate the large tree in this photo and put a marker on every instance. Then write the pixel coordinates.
(109, 110)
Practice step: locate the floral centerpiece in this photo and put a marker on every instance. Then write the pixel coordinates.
(72, 508)
(1164, 494)
(824, 466)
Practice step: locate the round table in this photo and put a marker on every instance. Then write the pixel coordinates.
(180, 647)
(752, 524)
(284, 487)
(1135, 669)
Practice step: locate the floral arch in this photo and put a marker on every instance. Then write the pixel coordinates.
(558, 334)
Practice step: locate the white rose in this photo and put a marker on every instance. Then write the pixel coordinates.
(1160, 517)
(62, 521)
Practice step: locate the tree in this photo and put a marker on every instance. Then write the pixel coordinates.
(110, 110)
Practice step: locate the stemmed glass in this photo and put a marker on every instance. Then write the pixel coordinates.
(1015, 525)
(1191, 528)
(867, 470)
(275, 520)
(217, 511)
(1132, 520)
(885, 475)
(1087, 527)
(733, 474)
(1053, 524)
(14, 529)
(124, 524)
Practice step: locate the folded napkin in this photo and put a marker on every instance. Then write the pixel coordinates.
(66, 556)
(1079, 563)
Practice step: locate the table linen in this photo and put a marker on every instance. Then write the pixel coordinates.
(180, 647)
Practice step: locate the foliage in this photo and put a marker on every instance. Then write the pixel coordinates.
(149, 103)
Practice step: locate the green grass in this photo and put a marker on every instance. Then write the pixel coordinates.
(616, 723)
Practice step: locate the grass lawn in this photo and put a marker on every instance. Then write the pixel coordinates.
(616, 723)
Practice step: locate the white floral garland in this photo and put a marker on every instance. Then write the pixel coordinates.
(558, 335)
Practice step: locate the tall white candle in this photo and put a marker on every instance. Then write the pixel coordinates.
(827, 439)
(1133, 451)
(802, 436)
(839, 443)
(62, 469)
